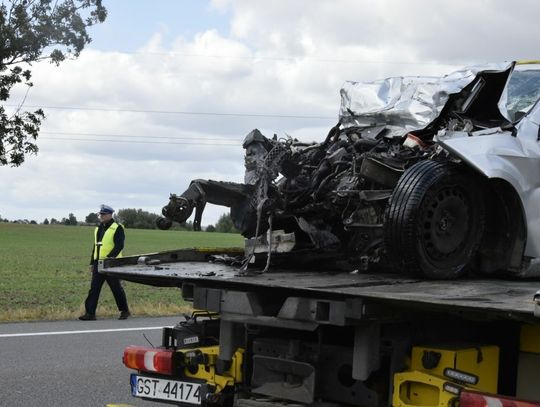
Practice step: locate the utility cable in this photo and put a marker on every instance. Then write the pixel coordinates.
(179, 112)
(138, 141)
(194, 138)
(283, 58)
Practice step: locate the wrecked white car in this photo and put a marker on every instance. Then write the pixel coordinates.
(431, 176)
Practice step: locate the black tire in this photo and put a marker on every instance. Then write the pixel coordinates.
(434, 220)
(163, 223)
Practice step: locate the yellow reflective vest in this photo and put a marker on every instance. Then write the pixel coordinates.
(107, 243)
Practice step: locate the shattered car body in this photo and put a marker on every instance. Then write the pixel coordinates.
(431, 176)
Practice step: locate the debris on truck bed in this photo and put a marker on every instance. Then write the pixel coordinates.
(429, 176)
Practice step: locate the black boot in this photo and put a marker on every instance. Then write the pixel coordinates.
(124, 315)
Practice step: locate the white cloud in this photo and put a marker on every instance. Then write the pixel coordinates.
(459, 31)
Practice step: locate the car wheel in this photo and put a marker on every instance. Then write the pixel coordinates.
(434, 220)
(163, 223)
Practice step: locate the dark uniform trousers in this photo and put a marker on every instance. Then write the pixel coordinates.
(95, 289)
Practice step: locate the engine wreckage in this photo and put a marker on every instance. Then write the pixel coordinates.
(420, 175)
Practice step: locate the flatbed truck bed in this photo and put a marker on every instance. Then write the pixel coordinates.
(506, 298)
(330, 338)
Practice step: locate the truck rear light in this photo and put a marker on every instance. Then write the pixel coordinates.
(149, 359)
(474, 399)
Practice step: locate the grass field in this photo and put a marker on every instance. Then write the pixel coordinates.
(44, 270)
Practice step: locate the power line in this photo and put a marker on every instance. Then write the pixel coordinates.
(63, 133)
(292, 58)
(102, 109)
(139, 142)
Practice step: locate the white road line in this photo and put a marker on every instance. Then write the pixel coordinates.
(91, 331)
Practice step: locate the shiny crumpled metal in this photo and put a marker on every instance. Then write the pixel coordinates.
(404, 104)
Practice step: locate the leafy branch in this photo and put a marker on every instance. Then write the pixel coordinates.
(32, 31)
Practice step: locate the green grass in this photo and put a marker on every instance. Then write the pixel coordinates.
(44, 270)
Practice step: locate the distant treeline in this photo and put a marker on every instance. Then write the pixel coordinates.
(133, 219)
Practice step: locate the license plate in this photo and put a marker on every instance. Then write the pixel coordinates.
(163, 389)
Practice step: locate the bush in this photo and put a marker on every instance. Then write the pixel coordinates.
(225, 224)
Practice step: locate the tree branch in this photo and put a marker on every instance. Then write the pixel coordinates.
(27, 29)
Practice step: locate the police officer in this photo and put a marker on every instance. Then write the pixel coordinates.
(109, 239)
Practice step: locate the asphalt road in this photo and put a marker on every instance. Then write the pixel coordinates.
(72, 363)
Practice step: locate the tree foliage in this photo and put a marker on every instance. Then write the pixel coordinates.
(92, 218)
(71, 220)
(137, 218)
(30, 31)
(225, 224)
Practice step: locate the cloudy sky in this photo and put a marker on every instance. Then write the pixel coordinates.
(168, 89)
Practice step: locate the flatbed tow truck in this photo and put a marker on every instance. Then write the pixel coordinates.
(420, 177)
(315, 338)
